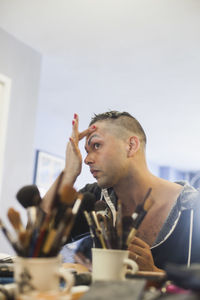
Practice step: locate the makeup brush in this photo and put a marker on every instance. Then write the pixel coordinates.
(127, 225)
(112, 234)
(105, 230)
(98, 229)
(67, 194)
(88, 205)
(70, 203)
(15, 220)
(29, 197)
(83, 202)
(100, 208)
(119, 226)
(67, 197)
(55, 203)
(54, 240)
(56, 197)
(58, 236)
(140, 207)
(24, 238)
(88, 202)
(91, 225)
(61, 225)
(105, 222)
(40, 238)
(141, 213)
(11, 240)
(147, 203)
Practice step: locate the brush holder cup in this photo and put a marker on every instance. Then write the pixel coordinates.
(41, 275)
(110, 264)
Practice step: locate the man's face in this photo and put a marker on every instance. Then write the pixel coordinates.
(106, 156)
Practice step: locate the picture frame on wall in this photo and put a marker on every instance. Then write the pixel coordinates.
(47, 168)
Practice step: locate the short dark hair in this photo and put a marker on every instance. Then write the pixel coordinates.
(123, 119)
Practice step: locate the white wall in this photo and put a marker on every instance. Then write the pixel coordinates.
(139, 56)
(73, 85)
(22, 65)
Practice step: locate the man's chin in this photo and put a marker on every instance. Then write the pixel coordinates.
(102, 184)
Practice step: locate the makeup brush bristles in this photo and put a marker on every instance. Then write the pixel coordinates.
(45, 235)
(15, 220)
(68, 195)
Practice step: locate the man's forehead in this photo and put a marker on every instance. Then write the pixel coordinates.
(97, 133)
(101, 126)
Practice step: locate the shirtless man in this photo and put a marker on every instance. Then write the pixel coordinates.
(115, 146)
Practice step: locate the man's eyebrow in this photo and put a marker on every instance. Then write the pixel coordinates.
(89, 140)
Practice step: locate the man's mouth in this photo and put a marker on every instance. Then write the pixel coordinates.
(94, 172)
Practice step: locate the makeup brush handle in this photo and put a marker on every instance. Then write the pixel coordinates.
(131, 235)
(139, 219)
(13, 243)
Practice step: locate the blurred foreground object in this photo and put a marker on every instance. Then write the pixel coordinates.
(187, 278)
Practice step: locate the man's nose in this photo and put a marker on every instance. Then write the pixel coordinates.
(88, 160)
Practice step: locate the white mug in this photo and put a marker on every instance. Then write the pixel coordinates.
(41, 274)
(111, 264)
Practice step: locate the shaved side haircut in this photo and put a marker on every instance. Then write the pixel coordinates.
(124, 122)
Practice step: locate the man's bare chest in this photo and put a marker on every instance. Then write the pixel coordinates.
(152, 224)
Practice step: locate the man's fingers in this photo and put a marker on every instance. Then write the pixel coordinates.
(86, 132)
(139, 242)
(142, 256)
(76, 118)
(134, 256)
(136, 249)
(75, 133)
(73, 144)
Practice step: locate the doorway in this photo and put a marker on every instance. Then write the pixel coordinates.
(5, 86)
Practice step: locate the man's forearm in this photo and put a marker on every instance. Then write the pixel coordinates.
(48, 197)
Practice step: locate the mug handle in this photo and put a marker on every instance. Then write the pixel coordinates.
(131, 263)
(68, 278)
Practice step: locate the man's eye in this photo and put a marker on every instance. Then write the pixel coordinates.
(96, 146)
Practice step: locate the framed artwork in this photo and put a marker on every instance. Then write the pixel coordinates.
(47, 169)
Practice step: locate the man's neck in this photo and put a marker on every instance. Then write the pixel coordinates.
(132, 190)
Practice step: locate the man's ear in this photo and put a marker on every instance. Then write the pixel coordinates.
(133, 145)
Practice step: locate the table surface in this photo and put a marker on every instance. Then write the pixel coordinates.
(77, 267)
